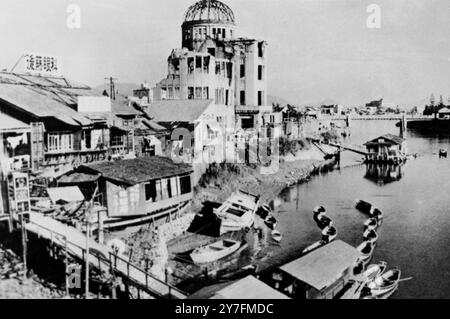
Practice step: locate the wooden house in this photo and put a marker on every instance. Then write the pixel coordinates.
(134, 191)
(387, 148)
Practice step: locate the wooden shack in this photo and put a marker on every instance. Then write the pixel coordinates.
(321, 274)
(132, 188)
(387, 148)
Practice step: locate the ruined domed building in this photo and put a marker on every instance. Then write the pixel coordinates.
(215, 63)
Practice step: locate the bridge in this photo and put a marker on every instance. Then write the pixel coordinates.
(73, 243)
(379, 118)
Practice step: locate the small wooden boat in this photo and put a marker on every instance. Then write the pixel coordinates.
(370, 235)
(237, 212)
(276, 235)
(372, 271)
(324, 222)
(376, 213)
(385, 283)
(366, 249)
(319, 209)
(329, 234)
(371, 223)
(363, 206)
(270, 222)
(214, 251)
(442, 153)
(263, 211)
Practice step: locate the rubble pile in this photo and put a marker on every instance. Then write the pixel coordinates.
(14, 286)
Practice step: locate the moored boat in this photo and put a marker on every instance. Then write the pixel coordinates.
(324, 222)
(372, 271)
(371, 223)
(263, 211)
(237, 212)
(329, 234)
(313, 246)
(385, 283)
(276, 235)
(370, 235)
(443, 153)
(363, 206)
(214, 251)
(270, 222)
(366, 249)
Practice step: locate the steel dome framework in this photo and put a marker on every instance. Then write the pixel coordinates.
(209, 10)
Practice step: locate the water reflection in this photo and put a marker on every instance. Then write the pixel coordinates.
(382, 174)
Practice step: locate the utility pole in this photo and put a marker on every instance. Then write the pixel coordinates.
(112, 87)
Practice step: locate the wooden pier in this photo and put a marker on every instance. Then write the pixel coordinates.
(73, 243)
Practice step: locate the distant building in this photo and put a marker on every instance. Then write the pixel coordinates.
(373, 106)
(215, 63)
(204, 120)
(444, 113)
(134, 191)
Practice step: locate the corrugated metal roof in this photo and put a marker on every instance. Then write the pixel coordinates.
(249, 288)
(52, 97)
(323, 266)
(178, 110)
(137, 170)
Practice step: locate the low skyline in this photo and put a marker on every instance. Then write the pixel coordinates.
(318, 50)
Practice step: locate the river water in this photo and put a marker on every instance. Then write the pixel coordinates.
(414, 198)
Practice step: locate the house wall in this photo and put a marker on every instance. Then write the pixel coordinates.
(124, 201)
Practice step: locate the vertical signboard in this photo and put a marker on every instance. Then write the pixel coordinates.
(21, 188)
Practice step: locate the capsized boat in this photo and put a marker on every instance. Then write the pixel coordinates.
(214, 251)
(385, 283)
(276, 235)
(237, 212)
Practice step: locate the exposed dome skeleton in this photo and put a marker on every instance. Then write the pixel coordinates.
(209, 10)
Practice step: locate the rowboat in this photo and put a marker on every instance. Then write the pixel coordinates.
(214, 251)
(370, 235)
(270, 222)
(369, 209)
(372, 271)
(276, 235)
(237, 212)
(363, 206)
(384, 295)
(263, 211)
(372, 223)
(329, 234)
(385, 283)
(366, 249)
(324, 222)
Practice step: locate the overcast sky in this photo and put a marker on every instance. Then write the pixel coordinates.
(318, 49)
